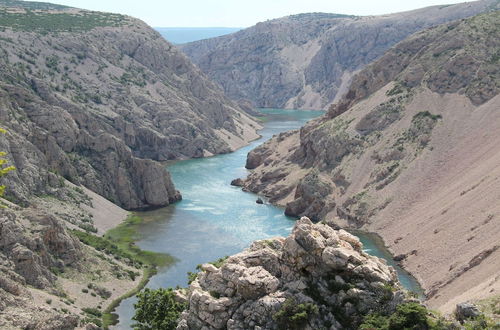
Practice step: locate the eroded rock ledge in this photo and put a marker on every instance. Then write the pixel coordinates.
(316, 266)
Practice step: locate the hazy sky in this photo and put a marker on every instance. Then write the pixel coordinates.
(240, 13)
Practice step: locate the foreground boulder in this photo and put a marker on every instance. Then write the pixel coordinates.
(317, 278)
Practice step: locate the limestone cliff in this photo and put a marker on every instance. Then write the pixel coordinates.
(306, 61)
(322, 270)
(98, 98)
(409, 152)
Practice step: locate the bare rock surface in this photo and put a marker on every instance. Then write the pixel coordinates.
(315, 265)
(99, 101)
(307, 61)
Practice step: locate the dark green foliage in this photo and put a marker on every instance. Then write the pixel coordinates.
(409, 316)
(191, 277)
(215, 294)
(313, 291)
(219, 262)
(375, 321)
(336, 287)
(32, 5)
(157, 309)
(59, 21)
(426, 114)
(52, 62)
(101, 244)
(293, 315)
(135, 79)
(397, 89)
(92, 311)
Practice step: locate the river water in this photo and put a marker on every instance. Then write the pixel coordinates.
(215, 219)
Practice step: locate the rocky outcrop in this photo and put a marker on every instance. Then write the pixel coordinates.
(465, 311)
(33, 248)
(309, 197)
(98, 99)
(37, 256)
(404, 154)
(323, 270)
(306, 61)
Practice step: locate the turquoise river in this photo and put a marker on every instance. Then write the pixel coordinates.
(215, 219)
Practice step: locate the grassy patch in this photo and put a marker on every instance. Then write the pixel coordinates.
(120, 243)
(108, 318)
(124, 237)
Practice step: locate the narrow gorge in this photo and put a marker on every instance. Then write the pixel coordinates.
(136, 171)
(410, 153)
(307, 61)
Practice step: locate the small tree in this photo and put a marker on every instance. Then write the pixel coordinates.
(4, 169)
(157, 309)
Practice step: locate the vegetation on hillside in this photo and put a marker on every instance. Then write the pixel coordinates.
(31, 5)
(415, 316)
(293, 315)
(119, 242)
(4, 169)
(43, 21)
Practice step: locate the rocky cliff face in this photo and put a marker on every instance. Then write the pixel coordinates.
(97, 98)
(30, 255)
(306, 61)
(409, 153)
(318, 268)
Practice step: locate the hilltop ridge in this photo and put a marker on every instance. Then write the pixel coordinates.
(307, 61)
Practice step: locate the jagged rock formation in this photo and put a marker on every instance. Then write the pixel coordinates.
(411, 153)
(29, 255)
(317, 266)
(306, 61)
(48, 279)
(97, 98)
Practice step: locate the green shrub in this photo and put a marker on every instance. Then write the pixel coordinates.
(157, 309)
(480, 323)
(219, 262)
(407, 316)
(375, 321)
(293, 315)
(92, 311)
(191, 277)
(426, 114)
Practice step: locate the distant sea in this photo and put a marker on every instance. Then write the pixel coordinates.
(178, 35)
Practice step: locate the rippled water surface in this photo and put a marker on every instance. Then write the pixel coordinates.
(215, 219)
